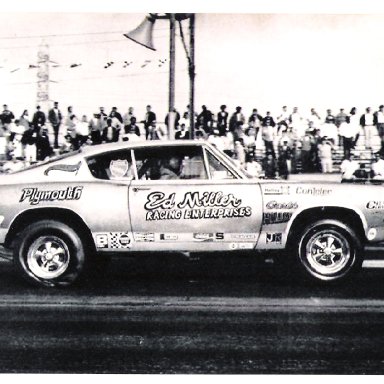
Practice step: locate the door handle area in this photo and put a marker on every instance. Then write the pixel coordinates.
(137, 189)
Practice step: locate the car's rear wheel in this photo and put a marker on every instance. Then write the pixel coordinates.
(49, 253)
(328, 251)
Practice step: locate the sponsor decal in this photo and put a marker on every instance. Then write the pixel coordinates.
(35, 195)
(313, 191)
(245, 245)
(123, 239)
(119, 240)
(278, 190)
(278, 205)
(203, 236)
(114, 240)
(63, 167)
(233, 246)
(144, 236)
(375, 204)
(276, 217)
(274, 238)
(194, 205)
(243, 236)
(118, 168)
(208, 236)
(169, 236)
(102, 240)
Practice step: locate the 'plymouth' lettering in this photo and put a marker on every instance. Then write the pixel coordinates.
(35, 196)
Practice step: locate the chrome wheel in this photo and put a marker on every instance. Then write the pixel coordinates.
(48, 257)
(327, 252)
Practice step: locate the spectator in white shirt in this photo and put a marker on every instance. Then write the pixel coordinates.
(185, 121)
(367, 121)
(240, 152)
(228, 143)
(3, 143)
(377, 168)
(297, 124)
(314, 119)
(283, 119)
(249, 140)
(156, 132)
(127, 116)
(349, 132)
(379, 120)
(348, 167)
(253, 168)
(82, 130)
(17, 130)
(69, 123)
(216, 140)
(329, 130)
(325, 155)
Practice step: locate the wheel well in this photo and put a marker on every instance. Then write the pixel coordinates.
(65, 216)
(345, 215)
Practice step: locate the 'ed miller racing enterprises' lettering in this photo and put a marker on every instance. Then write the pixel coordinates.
(208, 205)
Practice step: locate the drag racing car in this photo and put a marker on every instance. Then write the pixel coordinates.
(59, 216)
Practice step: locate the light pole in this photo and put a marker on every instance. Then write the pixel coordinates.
(143, 36)
(172, 57)
(191, 72)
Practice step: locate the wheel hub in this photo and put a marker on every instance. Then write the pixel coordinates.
(327, 252)
(48, 257)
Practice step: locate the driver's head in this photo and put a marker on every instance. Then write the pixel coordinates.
(174, 163)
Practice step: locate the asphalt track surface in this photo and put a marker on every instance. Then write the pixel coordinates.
(172, 315)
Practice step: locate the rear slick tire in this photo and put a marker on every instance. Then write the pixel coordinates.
(49, 253)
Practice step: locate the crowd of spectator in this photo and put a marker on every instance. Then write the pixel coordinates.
(288, 142)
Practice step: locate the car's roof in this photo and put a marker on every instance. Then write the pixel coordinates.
(100, 148)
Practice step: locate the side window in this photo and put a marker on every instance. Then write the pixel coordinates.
(170, 163)
(115, 165)
(217, 170)
(193, 168)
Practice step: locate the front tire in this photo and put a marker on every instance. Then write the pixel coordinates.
(49, 253)
(328, 251)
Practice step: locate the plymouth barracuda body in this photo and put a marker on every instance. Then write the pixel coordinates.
(183, 196)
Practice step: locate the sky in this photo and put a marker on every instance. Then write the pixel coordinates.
(322, 58)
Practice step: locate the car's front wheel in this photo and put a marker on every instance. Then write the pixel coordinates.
(49, 253)
(328, 251)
